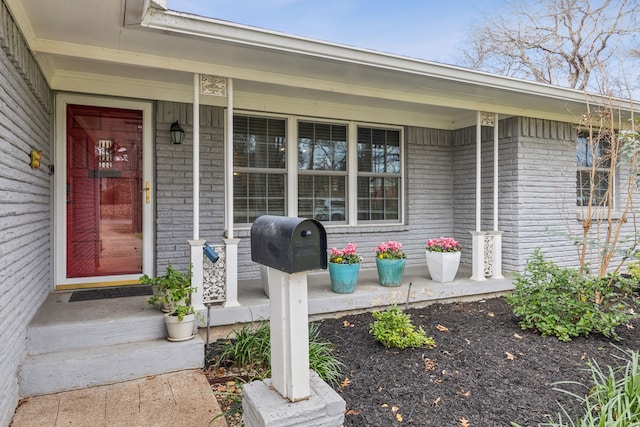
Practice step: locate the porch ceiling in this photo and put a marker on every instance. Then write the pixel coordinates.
(108, 47)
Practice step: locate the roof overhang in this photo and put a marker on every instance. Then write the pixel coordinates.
(137, 48)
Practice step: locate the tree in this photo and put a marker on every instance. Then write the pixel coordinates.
(558, 42)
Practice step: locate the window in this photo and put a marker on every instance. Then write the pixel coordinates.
(592, 157)
(338, 171)
(259, 167)
(322, 171)
(379, 161)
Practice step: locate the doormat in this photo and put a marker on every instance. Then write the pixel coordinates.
(124, 291)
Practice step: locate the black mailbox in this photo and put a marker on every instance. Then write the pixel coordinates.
(288, 244)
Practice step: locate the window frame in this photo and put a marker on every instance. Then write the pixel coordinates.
(292, 173)
(253, 170)
(603, 171)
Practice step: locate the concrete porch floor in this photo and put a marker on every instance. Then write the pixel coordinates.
(369, 295)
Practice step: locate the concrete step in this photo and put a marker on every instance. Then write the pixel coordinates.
(60, 325)
(79, 368)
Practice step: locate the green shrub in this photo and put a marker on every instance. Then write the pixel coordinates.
(634, 268)
(393, 328)
(563, 303)
(250, 347)
(613, 397)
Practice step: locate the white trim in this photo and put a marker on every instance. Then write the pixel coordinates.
(59, 193)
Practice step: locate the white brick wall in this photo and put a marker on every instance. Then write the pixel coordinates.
(25, 270)
(536, 183)
(174, 182)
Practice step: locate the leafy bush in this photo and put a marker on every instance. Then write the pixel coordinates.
(250, 347)
(561, 302)
(634, 268)
(613, 397)
(393, 328)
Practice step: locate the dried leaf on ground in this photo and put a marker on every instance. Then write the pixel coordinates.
(353, 412)
(509, 356)
(465, 393)
(517, 336)
(436, 402)
(347, 324)
(345, 382)
(441, 328)
(399, 417)
(464, 422)
(429, 365)
(490, 314)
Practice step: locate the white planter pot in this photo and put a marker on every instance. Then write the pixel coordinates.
(443, 266)
(180, 330)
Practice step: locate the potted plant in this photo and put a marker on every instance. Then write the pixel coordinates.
(443, 258)
(172, 279)
(173, 292)
(344, 265)
(390, 261)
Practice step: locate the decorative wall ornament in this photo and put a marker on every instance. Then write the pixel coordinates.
(487, 119)
(215, 277)
(488, 255)
(213, 85)
(34, 158)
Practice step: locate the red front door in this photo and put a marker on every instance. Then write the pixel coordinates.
(103, 191)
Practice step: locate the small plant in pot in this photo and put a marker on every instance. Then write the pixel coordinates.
(443, 258)
(173, 291)
(173, 281)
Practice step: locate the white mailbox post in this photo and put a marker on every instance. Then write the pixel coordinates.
(289, 334)
(289, 247)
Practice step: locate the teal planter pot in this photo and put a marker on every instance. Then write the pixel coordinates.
(390, 271)
(343, 277)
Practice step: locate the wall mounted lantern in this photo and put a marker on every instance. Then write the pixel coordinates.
(177, 133)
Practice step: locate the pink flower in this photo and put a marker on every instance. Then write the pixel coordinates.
(390, 250)
(443, 244)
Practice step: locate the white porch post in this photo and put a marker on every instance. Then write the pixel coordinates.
(497, 235)
(477, 240)
(289, 318)
(231, 243)
(197, 280)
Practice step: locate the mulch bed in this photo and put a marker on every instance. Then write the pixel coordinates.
(484, 370)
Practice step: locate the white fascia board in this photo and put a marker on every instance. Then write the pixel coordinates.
(199, 26)
(138, 59)
(121, 86)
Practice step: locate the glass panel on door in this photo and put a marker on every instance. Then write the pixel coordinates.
(104, 191)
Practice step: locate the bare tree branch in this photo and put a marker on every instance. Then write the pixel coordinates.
(558, 42)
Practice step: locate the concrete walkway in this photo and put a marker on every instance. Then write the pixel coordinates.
(177, 399)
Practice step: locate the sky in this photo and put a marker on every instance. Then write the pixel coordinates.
(433, 30)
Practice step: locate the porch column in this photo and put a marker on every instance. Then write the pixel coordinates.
(231, 243)
(497, 235)
(197, 280)
(477, 240)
